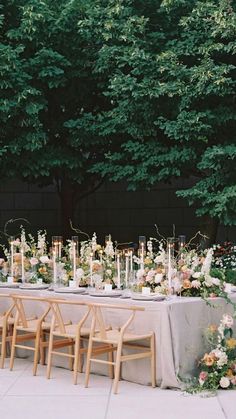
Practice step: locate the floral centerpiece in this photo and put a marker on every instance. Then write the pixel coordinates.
(197, 277)
(217, 368)
(191, 274)
(37, 264)
(153, 272)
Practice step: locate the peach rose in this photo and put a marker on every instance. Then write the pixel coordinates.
(187, 284)
(209, 359)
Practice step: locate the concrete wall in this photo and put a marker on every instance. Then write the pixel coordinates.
(111, 209)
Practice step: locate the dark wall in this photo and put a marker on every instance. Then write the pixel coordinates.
(111, 209)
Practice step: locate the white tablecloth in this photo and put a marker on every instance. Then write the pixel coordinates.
(179, 326)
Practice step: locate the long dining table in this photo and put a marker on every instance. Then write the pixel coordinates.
(179, 324)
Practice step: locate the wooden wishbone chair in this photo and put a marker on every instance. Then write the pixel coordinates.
(29, 329)
(116, 339)
(6, 327)
(68, 334)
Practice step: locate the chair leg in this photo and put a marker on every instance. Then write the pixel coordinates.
(13, 348)
(3, 346)
(81, 358)
(36, 351)
(71, 360)
(50, 348)
(153, 361)
(88, 363)
(42, 348)
(110, 358)
(117, 368)
(77, 356)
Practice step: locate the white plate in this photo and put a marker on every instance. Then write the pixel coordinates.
(233, 288)
(105, 294)
(151, 297)
(9, 285)
(34, 286)
(70, 290)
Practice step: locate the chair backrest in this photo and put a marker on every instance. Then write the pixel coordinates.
(57, 315)
(9, 306)
(21, 300)
(100, 326)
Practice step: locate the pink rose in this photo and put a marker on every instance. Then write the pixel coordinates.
(186, 274)
(203, 375)
(233, 380)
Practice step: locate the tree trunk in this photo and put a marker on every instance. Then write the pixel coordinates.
(209, 228)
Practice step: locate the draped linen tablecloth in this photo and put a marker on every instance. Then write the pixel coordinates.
(178, 323)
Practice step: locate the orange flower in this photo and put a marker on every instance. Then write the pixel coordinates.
(229, 373)
(212, 328)
(209, 359)
(186, 284)
(231, 343)
(43, 270)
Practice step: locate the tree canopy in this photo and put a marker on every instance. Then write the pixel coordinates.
(172, 86)
(48, 90)
(136, 89)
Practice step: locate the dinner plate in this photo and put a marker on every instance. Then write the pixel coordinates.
(105, 293)
(151, 297)
(9, 285)
(34, 286)
(70, 290)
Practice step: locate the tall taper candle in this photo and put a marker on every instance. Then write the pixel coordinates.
(118, 270)
(22, 265)
(12, 259)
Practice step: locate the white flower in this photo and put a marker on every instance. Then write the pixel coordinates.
(34, 261)
(196, 284)
(208, 280)
(44, 259)
(109, 249)
(224, 382)
(79, 273)
(160, 258)
(109, 272)
(158, 278)
(216, 281)
(206, 266)
(222, 357)
(196, 274)
(149, 247)
(140, 273)
(150, 274)
(94, 242)
(227, 321)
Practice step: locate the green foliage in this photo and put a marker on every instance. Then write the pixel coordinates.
(136, 89)
(46, 81)
(171, 86)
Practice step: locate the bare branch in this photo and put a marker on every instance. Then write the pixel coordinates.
(78, 231)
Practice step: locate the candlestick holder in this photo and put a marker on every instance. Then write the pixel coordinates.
(74, 254)
(181, 242)
(57, 243)
(170, 261)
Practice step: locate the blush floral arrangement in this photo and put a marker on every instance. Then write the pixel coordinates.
(217, 367)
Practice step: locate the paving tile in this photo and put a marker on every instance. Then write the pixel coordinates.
(20, 365)
(54, 407)
(61, 383)
(165, 404)
(227, 400)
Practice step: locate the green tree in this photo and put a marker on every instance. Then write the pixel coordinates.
(172, 86)
(48, 90)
